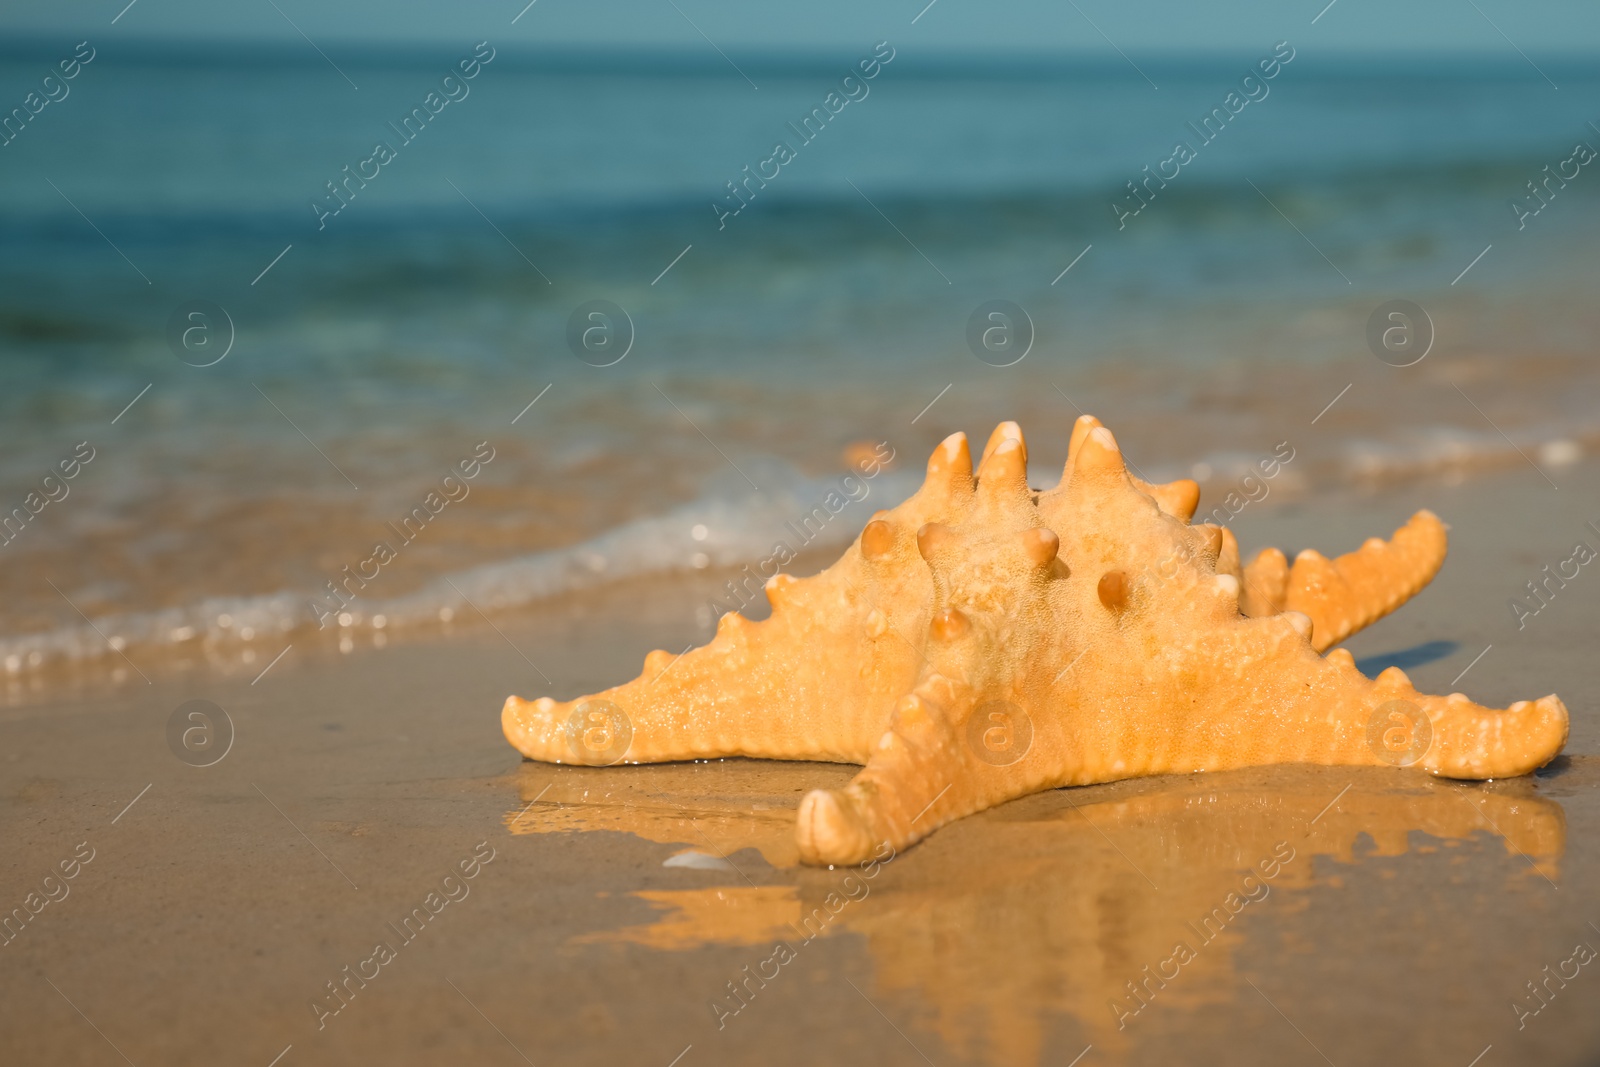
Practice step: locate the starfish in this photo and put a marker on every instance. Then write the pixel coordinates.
(982, 641)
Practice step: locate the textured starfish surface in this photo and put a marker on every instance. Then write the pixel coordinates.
(982, 641)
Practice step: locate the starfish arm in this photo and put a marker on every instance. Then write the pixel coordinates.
(1469, 741)
(750, 692)
(1269, 698)
(1349, 593)
(1287, 705)
(910, 787)
(815, 681)
(949, 751)
(957, 743)
(1183, 683)
(1341, 596)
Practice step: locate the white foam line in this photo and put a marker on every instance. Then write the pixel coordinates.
(97, 630)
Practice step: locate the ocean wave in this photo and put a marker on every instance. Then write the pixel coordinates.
(714, 532)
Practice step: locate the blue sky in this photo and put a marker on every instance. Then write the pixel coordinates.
(1134, 25)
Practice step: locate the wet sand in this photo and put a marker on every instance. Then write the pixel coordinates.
(1400, 923)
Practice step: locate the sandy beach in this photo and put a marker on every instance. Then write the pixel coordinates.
(362, 365)
(220, 902)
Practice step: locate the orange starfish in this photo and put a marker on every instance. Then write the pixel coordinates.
(967, 655)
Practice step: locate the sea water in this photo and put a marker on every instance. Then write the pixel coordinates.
(764, 332)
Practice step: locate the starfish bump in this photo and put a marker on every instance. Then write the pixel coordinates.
(981, 642)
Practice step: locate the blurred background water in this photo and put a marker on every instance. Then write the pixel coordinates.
(424, 317)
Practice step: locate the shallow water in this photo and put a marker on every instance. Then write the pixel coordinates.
(222, 900)
(420, 323)
(1122, 913)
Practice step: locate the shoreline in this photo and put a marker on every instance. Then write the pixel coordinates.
(1002, 936)
(1246, 501)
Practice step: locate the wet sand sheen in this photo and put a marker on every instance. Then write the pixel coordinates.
(222, 902)
(1054, 899)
